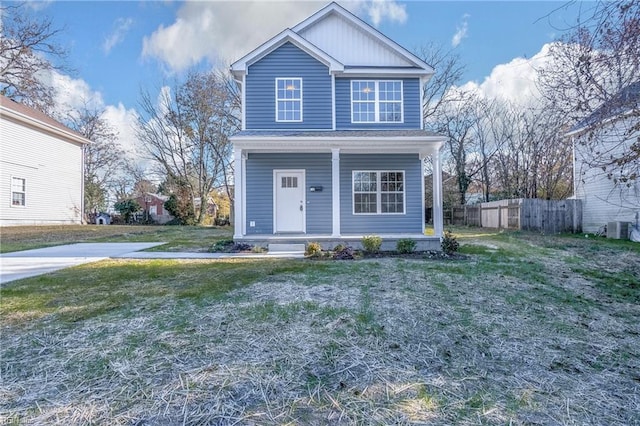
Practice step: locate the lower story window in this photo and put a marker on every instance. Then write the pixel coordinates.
(378, 192)
(18, 191)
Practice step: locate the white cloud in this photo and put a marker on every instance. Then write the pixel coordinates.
(124, 121)
(224, 31)
(73, 94)
(515, 81)
(379, 10)
(121, 27)
(461, 31)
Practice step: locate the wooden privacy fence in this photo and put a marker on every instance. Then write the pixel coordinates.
(529, 214)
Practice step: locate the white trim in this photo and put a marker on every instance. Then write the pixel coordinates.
(384, 72)
(241, 66)
(335, 8)
(303, 187)
(422, 188)
(421, 97)
(423, 145)
(24, 193)
(238, 178)
(301, 100)
(244, 102)
(244, 192)
(335, 192)
(438, 222)
(379, 192)
(333, 102)
(376, 101)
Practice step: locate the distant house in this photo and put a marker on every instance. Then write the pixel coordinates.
(333, 142)
(41, 168)
(612, 131)
(154, 205)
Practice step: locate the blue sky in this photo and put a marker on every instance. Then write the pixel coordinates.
(117, 48)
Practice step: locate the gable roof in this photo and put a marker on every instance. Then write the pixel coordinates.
(335, 31)
(241, 66)
(624, 102)
(333, 9)
(31, 116)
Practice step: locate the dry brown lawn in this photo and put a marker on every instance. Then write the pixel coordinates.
(527, 330)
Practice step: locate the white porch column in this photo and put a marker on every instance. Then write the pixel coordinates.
(335, 191)
(238, 193)
(438, 222)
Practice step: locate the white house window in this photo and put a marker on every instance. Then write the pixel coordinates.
(378, 192)
(18, 191)
(375, 101)
(288, 99)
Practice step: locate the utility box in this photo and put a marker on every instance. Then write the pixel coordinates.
(618, 230)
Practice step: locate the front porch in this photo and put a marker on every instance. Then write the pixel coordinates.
(328, 242)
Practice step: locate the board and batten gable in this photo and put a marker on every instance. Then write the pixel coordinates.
(411, 93)
(52, 168)
(259, 183)
(288, 61)
(408, 222)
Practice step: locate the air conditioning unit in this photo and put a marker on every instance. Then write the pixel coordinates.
(618, 230)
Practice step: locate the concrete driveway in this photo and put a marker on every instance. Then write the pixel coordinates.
(29, 263)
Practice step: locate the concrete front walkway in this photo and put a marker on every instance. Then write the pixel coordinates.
(29, 263)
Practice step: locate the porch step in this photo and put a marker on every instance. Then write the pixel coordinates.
(286, 248)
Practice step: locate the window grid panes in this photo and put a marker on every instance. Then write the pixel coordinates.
(289, 182)
(288, 99)
(376, 101)
(378, 192)
(18, 191)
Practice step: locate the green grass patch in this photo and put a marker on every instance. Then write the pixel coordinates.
(91, 290)
(619, 285)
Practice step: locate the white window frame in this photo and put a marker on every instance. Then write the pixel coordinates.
(376, 101)
(278, 100)
(23, 192)
(379, 192)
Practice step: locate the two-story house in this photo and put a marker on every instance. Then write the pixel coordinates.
(333, 142)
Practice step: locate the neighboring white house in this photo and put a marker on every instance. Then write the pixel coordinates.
(41, 168)
(612, 131)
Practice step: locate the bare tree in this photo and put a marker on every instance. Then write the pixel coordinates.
(186, 133)
(104, 159)
(28, 49)
(590, 71)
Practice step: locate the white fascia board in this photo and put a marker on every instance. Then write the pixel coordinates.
(241, 66)
(423, 145)
(45, 127)
(385, 72)
(335, 8)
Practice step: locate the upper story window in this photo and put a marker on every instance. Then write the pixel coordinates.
(288, 99)
(376, 101)
(18, 192)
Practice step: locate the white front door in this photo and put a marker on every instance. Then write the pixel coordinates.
(289, 201)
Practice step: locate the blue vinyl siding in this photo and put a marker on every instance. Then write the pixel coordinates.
(411, 97)
(410, 221)
(259, 182)
(288, 61)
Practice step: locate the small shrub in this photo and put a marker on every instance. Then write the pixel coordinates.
(343, 253)
(371, 243)
(449, 243)
(313, 250)
(222, 246)
(405, 246)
